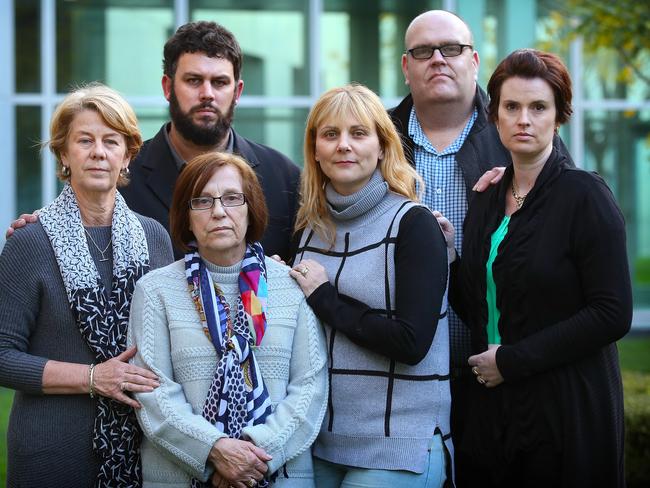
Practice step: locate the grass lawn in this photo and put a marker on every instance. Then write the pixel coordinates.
(634, 353)
(6, 397)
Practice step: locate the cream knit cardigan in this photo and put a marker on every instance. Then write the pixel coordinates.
(292, 358)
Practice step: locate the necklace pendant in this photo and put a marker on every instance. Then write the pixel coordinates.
(103, 253)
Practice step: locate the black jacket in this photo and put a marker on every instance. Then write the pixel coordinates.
(481, 151)
(154, 173)
(564, 294)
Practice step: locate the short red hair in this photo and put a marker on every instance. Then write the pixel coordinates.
(531, 63)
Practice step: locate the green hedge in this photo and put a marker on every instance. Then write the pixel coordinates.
(637, 428)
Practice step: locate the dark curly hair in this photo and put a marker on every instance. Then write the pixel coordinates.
(206, 37)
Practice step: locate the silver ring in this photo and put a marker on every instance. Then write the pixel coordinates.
(475, 371)
(251, 483)
(123, 386)
(304, 271)
(481, 380)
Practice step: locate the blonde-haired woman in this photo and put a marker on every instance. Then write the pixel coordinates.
(373, 265)
(65, 290)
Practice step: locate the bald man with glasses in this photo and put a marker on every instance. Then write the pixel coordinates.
(447, 137)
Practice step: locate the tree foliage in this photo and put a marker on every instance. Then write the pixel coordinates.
(619, 25)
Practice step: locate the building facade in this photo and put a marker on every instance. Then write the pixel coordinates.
(294, 50)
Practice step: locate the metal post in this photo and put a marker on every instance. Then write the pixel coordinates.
(48, 82)
(7, 117)
(577, 124)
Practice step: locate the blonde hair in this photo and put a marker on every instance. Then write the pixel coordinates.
(109, 105)
(364, 105)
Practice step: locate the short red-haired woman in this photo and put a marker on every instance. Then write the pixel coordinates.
(544, 285)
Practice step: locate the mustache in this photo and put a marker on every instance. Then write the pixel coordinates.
(206, 105)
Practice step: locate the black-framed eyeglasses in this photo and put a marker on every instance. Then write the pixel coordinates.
(228, 200)
(447, 51)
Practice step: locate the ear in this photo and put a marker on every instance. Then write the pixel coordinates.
(239, 88)
(167, 83)
(381, 154)
(405, 68)
(476, 62)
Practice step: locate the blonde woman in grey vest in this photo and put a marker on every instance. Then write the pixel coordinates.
(373, 265)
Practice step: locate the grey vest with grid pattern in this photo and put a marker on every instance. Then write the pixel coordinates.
(382, 413)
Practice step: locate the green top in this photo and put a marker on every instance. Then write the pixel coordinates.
(491, 295)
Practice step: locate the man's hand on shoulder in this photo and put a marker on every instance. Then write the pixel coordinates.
(20, 222)
(490, 177)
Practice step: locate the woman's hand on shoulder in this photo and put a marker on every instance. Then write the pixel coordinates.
(115, 378)
(309, 275)
(237, 462)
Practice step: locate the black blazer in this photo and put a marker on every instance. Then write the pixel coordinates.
(154, 173)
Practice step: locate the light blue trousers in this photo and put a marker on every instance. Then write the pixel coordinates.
(330, 475)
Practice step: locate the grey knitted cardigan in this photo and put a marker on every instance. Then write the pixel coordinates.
(49, 438)
(382, 413)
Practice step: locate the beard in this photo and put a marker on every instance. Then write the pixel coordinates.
(210, 134)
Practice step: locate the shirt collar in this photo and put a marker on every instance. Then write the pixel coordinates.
(420, 138)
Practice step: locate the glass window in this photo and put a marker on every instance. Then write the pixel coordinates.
(618, 148)
(28, 160)
(604, 78)
(151, 119)
(27, 46)
(505, 27)
(363, 41)
(273, 37)
(281, 128)
(117, 42)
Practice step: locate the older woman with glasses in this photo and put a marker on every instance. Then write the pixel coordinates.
(239, 353)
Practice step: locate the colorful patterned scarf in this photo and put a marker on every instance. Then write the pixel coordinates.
(237, 397)
(102, 319)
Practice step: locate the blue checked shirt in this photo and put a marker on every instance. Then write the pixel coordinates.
(444, 190)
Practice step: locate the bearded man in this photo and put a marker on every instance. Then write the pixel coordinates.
(201, 81)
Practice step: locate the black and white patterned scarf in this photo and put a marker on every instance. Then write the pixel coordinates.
(102, 319)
